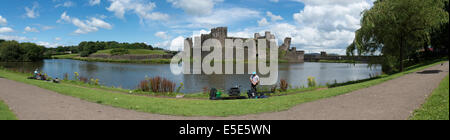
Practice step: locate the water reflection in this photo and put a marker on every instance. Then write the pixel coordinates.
(128, 75)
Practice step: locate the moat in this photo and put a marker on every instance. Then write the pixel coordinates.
(129, 75)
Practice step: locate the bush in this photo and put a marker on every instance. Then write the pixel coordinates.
(283, 85)
(144, 86)
(158, 85)
(312, 82)
(119, 51)
(84, 54)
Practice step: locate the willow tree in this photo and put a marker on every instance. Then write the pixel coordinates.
(397, 28)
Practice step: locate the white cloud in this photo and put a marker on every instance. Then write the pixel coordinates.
(195, 7)
(275, 1)
(58, 38)
(66, 4)
(17, 38)
(274, 17)
(3, 21)
(263, 22)
(225, 17)
(321, 26)
(44, 28)
(47, 44)
(32, 12)
(177, 44)
(162, 35)
(141, 8)
(94, 2)
(326, 25)
(30, 29)
(330, 2)
(91, 25)
(6, 30)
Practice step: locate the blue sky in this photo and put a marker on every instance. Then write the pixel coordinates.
(314, 25)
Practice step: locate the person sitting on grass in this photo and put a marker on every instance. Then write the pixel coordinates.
(36, 72)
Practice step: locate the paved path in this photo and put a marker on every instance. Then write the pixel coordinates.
(394, 99)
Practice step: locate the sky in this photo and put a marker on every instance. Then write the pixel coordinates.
(313, 25)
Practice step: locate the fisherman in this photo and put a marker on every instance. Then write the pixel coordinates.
(254, 79)
(36, 72)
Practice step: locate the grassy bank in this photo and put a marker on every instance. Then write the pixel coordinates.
(134, 51)
(437, 105)
(5, 113)
(65, 56)
(150, 61)
(189, 107)
(77, 57)
(339, 61)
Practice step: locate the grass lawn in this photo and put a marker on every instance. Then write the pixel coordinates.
(134, 51)
(190, 107)
(436, 106)
(339, 61)
(150, 61)
(5, 113)
(65, 56)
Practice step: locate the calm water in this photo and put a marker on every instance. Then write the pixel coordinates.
(129, 75)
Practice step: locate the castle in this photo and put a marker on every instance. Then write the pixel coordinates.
(286, 53)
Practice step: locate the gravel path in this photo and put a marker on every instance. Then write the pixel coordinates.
(394, 99)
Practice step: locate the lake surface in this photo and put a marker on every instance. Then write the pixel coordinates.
(128, 76)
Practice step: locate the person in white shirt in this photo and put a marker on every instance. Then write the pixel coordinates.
(254, 79)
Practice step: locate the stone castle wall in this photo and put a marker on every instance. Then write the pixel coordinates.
(221, 33)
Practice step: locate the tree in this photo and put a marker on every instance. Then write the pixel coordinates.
(10, 51)
(397, 28)
(440, 37)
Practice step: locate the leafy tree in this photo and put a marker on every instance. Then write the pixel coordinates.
(32, 52)
(397, 28)
(10, 51)
(440, 37)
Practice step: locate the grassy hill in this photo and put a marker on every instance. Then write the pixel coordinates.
(134, 51)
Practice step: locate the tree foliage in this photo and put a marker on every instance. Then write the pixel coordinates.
(86, 48)
(12, 51)
(397, 28)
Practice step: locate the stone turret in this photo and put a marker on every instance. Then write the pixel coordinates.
(257, 35)
(286, 44)
(219, 32)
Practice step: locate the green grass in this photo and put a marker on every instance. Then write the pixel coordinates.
(189, 107)
(135, 51)
(66, 56)
(437, 106)
(5, 113)
(150, 61)
(339, 61)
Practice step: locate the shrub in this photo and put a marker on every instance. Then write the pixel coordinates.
(76, 75)
(155, 84)
(144, 85)
(84, 53)
(119, 51)
(158, 85)
(205, 90)
(84, 79)
(66, 76)
(312, 82)
(283, 85)
(167, 86)
(180, 87)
